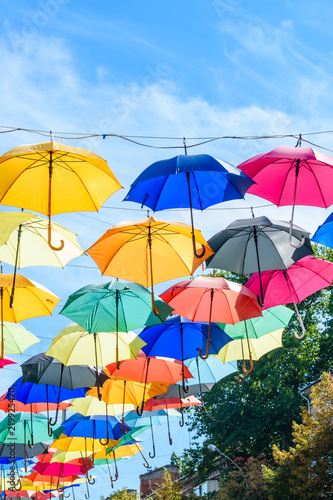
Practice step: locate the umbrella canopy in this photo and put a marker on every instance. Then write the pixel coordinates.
(6, 450)
(257, 244)
(114, 306)
(31, 300)
(291, 176)
(89, 405)
(210, 299)
(208, 371)
(74, 346)
(7, 405)
(84, 444)
(300, 280)
(58, 469)
(194, 181)
(17, 338)
(53, 178)
(18, 428)
(148, 251)
(27, 244)
(324, 233)
(252, 348)
(5, 361)
(165, 403)
(95, 427)
(148, 369)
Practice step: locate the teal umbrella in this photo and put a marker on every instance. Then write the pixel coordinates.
(114, 306)
(272, 319)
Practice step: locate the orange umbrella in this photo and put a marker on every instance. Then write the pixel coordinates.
(210, 299)
(7, 405)
(148, 251)
(146, 369)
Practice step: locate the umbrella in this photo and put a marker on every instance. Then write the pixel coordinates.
(27, 244)
(89, 405)
(194, 181)
(17, 338)
(74, 345)
(257, 244)
(291, 176)
(28, 392)
(32, 300)
(148, 251)
(157, 417)
(324, 233)
(211, 299)
(5, 361)
(146, 369)
(42, 369)
(271, 320)
(8, 405)
(300, 280)
(8, 450)
(181, 339)
(251, 348)
(76, 466)
(114, 306)
(128, 392)
(53, 178)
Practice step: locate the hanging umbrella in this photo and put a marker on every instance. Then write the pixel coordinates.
(5, 361)
(148, 251)
(179, 339)
(17, 338)
(28, 392)
(324, 233)
(6, 450)
(291, 176)
(74, 345)
(42, 369)
(74, 467)
(251, 348)
(257, 244)
(271, 320)
(194, 181)
(27, 244)
(53, 178)
(115, 307)
(32, 300)
(305, 277)
(211, 299)
(150, 418)
(146, 369)
(8, 405)
(18, 428)
(89, 405)
(128, 392)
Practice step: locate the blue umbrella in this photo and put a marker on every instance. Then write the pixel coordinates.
(324, 233)
(95, 427)
(195, 181)
(182, 340)
(28, 392)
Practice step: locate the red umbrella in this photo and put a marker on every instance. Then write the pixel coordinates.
(305, 277)
(211, 299)
(292, 176)
(6, 361)
(7, 405)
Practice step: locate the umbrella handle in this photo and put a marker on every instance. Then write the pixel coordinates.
(49, 428)
(102, 442)
(123, 430)
(208, 334)
(260, 301)
(291, 234)
(62, 243)
(152, 455)
(203, 249)
(139, 410)
(66, 496)
(31, 442)
(145, 463)
(91, 480)
(185, 386)
(182, 422)
(19, 483)
(301, 323)
(251, 367)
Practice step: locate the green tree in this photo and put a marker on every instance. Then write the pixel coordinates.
(306, 469)
(249, 482)
(168, 489)
(123, 494)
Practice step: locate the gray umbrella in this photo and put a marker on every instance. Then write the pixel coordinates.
(257, 244)
(43, 369)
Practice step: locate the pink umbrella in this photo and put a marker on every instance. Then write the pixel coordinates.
(305, 277)
(292, 176)
(211, 299)
(6, 361)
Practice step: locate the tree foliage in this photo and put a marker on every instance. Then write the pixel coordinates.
(306, 469)
(246, 483)
(123, 494)
(168, 489)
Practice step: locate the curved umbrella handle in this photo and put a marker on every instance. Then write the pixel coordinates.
(139, 410)
(154, 308)
(203, 248)
(300, 319)
(145, 463)
(290, 237)
(260, 300)
(185, 386)
(102, 442)
(31, 442)
(62, 243)
(251, 367)
(91, 480)
(19, 484)
(152, 455)
(49, 428)
(182, 422)
(123, 430)
(209, 323)
(66, 496)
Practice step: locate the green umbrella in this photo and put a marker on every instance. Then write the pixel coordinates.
(114, 306)
(272, 319)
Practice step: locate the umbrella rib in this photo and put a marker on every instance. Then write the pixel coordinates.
(318, 185)
(197, 189)
(285, 180)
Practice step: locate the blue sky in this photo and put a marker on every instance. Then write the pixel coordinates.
(168, 69)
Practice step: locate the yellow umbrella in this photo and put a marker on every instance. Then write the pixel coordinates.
(89, 405)
(32, 299)
(148, 251)
(84, 444)
(66, 456)
(53, 178)
(126, 450)
(251, 349)
(75, 346)
(127, 392)
(9, 221)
